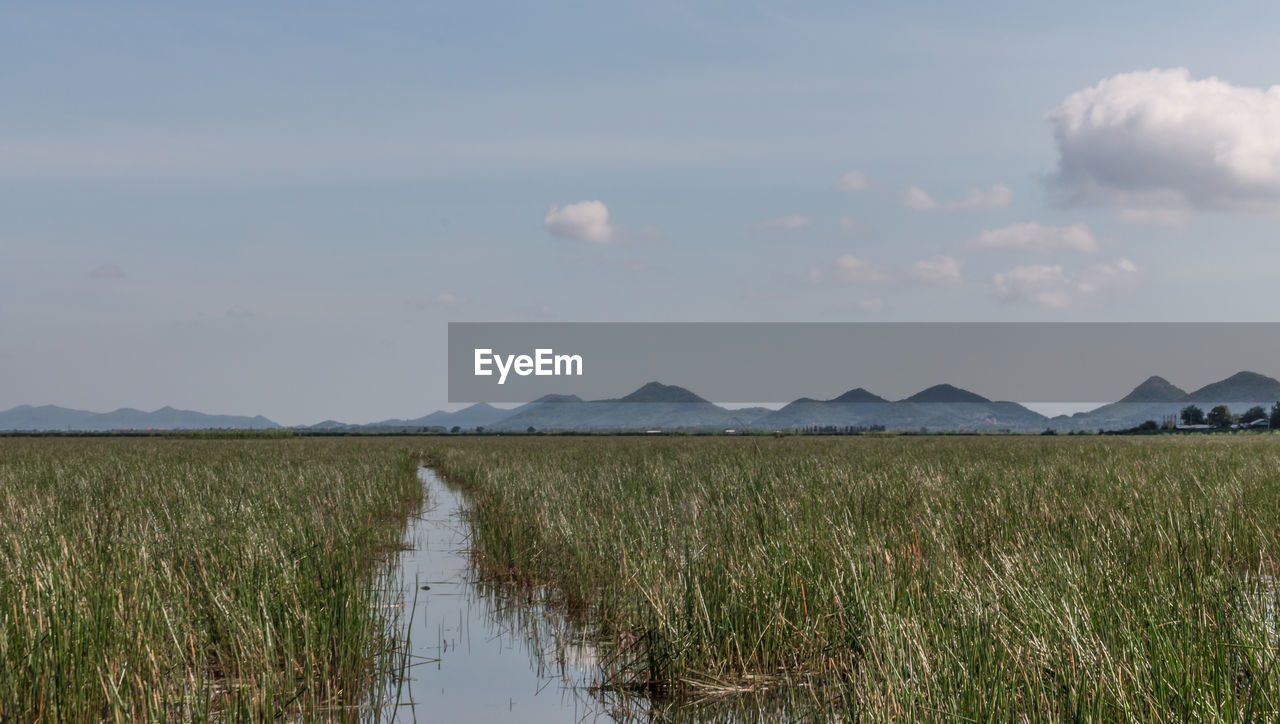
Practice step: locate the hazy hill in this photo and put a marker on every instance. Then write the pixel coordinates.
(1157, 399)
(1240, 387)
(669, 407)
(1155, 389)
(652, 406)
(945, 393)
(941, 407)
(658, 392)
(51, 417)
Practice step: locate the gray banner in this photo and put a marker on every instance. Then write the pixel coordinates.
(779, 362)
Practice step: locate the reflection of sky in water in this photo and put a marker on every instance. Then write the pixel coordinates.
(487, 664)
(484, 653)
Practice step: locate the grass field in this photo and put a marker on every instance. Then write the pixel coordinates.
(911, 578)
(171, 579)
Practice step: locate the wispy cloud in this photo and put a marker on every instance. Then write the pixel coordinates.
(994, 197)
(443, 300)
(853, 181)
(1031, 236)
(850, 268)
(791, 222)
(937, 270)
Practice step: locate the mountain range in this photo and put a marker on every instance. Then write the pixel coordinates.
(669, 407)
(52, 417)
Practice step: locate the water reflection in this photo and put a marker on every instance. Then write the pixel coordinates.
(474, 651)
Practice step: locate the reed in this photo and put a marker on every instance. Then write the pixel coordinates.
(1056, 579)
(163, 579)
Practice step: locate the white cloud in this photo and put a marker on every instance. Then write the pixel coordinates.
(583, 221)
(1157, 139)
(849, 225)
(871, 303)
(1030, 236)
(852, 268)
(792, 222)
(1049, 285)
(992, 198)
(106, 271)
(937, 270)
(916, 198)
(853, 181)
(240, 312)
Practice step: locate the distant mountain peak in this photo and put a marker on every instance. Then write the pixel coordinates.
(859, 395)
(558, 398)
(1241, 387)
(1247, 377)
(945, 393)
(1156, 389)
(658, 392)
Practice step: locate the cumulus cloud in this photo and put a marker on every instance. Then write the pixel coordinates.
(583, 221)
(937, 270)
(1030, 236)
(791, 222)
(1158, 139)
(853, 181)
(106, 271)
(849, 225)
(992, 198)
(1049, 286)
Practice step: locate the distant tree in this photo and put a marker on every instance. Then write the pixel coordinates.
(1220, 417)
(1149, 426)
(1275, 416)
(532, 429)
(479, 428)
(455, 429)
(1192, 415)
(1253, 414)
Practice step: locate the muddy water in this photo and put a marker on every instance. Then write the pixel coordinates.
(474, 654)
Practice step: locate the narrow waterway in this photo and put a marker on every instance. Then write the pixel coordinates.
(474, 653)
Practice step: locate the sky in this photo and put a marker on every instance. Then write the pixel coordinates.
(276, 208)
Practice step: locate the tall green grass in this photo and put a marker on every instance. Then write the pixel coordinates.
(167, 579)
(1056, 579)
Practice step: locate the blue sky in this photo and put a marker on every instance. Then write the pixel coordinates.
(277, 208)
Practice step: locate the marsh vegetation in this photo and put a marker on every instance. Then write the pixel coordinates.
(174, 579)
(975, 578)
(906, 578)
